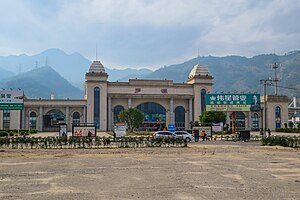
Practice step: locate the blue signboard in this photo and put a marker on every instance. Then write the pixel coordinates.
(172, 127)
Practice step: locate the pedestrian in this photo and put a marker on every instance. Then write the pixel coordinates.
(269, 132)
(203, 135)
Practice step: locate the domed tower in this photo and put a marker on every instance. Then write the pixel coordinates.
(202, 81)
(96, 95)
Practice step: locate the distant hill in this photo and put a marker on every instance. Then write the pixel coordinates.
(41, 82)
(5, 74)
(71, 66)
(231, 73)
(241, 74)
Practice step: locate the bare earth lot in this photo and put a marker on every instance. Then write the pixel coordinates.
(210, 170)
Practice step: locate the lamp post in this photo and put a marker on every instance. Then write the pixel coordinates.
(29, 122)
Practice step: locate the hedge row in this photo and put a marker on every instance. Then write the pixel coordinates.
(288, 130)
(89, 142)
(281, 141)
(13, 132)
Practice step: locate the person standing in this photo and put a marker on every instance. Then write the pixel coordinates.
(203, 135)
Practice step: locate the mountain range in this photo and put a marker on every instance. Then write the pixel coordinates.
(231, 73)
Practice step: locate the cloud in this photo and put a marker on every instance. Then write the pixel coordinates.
(149, 33)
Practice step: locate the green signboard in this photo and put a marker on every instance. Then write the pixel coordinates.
(232, 102)
(11, 100)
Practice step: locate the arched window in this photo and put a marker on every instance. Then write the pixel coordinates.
(97, 106)
(255, 122)
(32, 120)
(180, 117)
(240, 120)
(117, 111)
(6, 119)
(76, 118)
(203, 103)
(278, 117)
(154, 116)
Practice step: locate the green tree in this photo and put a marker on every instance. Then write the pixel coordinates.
(209, 117)
(132, 117)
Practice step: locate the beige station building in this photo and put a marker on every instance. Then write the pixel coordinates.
(163, 102)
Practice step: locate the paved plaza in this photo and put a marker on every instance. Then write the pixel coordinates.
(209, 170)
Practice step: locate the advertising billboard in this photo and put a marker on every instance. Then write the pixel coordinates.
(84, 131)
(232, 102)
(11, 100)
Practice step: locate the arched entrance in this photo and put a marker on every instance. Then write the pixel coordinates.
(52, 119)
(154, 116)
(180, 117)
(240, 121)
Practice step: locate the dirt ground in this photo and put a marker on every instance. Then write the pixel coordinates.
(210, 170)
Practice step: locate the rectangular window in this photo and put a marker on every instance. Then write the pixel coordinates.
(6, 119)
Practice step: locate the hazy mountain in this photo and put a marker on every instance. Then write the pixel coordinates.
(71, 66)
(41, 82)
(231, 73)
(241, 74)
(5, 74)
(123, 74)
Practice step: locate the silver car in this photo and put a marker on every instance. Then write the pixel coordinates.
(185, 135)
(163, 134)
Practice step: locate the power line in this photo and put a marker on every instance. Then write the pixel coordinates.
(285, 87)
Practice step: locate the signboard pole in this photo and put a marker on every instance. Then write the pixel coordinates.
(233, 122)
(19, 122)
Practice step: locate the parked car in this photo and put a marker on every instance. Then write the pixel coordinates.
(185, 135)
(163, 134)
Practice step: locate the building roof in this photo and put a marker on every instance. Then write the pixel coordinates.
(96, 67)
(199, 70)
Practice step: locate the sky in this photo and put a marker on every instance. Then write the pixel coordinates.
(149, 33)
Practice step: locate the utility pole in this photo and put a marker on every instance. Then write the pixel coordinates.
(265, 82)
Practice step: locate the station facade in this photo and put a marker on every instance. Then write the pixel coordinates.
(163, 102)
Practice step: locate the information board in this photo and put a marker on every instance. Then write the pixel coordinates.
(11, 100)
(119, 130)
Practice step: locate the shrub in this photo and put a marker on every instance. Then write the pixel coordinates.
(281, 141)
(288, 130)
(3, 133)
(33, 131)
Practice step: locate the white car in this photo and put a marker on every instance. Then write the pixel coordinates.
(185, 135)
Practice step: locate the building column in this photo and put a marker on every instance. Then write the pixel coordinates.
(129, 102)
(109, 124)
(41, 126)
(84, 114)
(23, 119)
(171, 110)
(190, 110)
(250, 120)
(246, 120)
(68, 117)
(228, 119)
